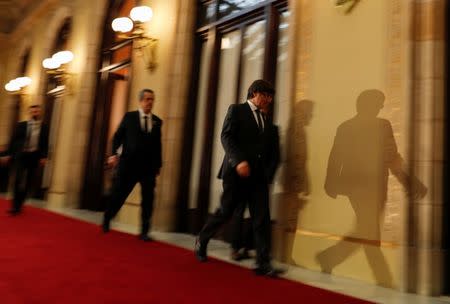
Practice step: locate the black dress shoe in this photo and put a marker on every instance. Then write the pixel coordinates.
(268, 271)
(200, 251)
(145, 238)
(105, 226)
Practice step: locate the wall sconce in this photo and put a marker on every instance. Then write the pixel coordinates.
(56, 67)
(133, 29)
(16, 86)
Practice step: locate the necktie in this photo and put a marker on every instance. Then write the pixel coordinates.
(260, 123)
(145, 124)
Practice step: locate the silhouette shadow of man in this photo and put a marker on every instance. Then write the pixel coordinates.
(363, 153)
(297, 177)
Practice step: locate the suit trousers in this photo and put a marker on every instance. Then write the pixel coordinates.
(26, 165)
(255, 191)
(126, 178)
(241, 236)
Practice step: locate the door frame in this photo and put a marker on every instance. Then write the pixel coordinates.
(191, 220)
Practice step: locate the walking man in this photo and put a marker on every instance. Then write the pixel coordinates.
(139, 136)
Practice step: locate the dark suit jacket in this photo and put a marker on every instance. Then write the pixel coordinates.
(242, 141)
(17, 142)
(137, 147)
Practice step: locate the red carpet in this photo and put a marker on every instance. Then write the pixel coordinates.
(48, 258)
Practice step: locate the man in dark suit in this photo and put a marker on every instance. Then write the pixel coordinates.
(246, 173)
(139, 136)
(242, 238)
(28, 149)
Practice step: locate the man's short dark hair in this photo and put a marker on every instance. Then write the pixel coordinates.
(143, 91)
(260, 86)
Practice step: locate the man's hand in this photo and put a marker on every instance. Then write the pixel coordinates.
(243, 169)
(42, 162)
(113, 161)
(4, 160)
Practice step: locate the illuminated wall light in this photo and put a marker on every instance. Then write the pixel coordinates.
(133, 29)
(12, 87)
(63, 57)
(141, 14)
(50, 64)
(17, 84)
(23, 81)
(122, 25)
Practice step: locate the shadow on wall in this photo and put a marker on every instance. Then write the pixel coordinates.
(363, 153)
(297, 176)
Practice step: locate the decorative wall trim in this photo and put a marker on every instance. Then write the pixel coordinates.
(394, 107)
(335, 237)
(304, 58)
(425, 252)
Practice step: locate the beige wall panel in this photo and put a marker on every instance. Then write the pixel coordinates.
(343, 55)
(348, 54)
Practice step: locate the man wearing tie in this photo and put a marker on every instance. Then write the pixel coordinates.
(139, 136)
(28, 149)
(246, 172)
(242, 241)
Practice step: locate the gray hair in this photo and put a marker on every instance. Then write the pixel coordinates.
(143, 91)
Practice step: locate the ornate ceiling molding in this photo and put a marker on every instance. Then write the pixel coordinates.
(29, 21)
(17, 15)
(13, 12)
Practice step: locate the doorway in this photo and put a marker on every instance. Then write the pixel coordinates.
(108, 112)
(112, 95)
(233, 46)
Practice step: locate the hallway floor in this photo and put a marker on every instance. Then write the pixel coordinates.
(220, 250)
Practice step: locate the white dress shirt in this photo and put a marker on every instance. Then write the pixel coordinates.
(33, 131)
(142, 120)
(255, 115)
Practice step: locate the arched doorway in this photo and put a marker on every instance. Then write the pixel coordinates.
(236, 42)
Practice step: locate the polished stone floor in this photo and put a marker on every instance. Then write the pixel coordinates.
(220, 250)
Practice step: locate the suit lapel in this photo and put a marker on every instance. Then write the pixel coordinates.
(137, 120)
(25, 130)
(251, 117)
